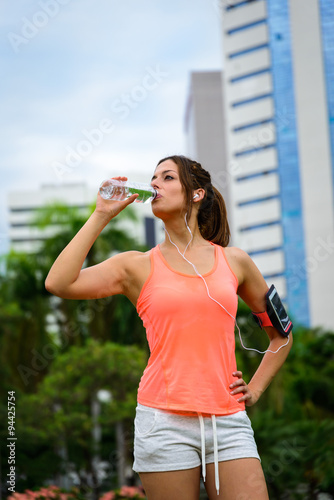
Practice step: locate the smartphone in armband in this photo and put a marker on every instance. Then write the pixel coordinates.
(277, 313)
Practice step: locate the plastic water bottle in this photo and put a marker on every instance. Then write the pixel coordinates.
(112, 189)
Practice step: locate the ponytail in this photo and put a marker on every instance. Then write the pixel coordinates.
(212, 218)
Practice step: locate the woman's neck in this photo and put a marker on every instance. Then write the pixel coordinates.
(182, 234)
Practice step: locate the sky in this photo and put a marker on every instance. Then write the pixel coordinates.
(92, 89)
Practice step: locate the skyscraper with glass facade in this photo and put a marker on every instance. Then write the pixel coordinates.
(278, 85)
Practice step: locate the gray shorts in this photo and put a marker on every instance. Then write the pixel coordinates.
(166, 441)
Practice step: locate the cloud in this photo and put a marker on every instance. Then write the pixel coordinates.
(88, 55)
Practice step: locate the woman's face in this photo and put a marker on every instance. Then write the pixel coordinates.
(170, 198)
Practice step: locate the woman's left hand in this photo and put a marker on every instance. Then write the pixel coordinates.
(240, 387)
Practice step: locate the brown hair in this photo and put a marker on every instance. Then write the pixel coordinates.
(212, 216)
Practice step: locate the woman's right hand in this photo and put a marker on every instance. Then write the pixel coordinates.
(111, 208)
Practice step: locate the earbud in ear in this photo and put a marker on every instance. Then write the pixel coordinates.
(196, 196)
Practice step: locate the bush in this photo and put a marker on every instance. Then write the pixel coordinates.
(55, 493)
(50, 492)
(124, 493)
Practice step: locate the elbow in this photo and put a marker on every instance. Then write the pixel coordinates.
(288, 341)
(58, 289)
(51, 287)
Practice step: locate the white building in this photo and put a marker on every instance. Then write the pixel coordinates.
(207, 142)
(24, 236)
(204, 126)
(278, 87)
(274, 147)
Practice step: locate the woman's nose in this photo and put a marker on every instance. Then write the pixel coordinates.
(155, 184)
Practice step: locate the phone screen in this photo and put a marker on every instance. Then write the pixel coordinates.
(279, 310)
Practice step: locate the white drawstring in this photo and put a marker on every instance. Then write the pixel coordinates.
(215, 449)
(201, 423)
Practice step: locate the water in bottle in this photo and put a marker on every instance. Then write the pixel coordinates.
(112, 189)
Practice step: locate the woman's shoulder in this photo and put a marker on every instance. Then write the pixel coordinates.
(135, 267)
(129, 261)
(237, 255)
(244, 266)
(239, 261)
(134, 258)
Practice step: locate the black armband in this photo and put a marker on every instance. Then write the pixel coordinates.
(275, 314)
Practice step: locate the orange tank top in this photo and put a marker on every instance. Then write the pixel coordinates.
(191, 338)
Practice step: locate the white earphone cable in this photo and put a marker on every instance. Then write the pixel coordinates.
(208, 292)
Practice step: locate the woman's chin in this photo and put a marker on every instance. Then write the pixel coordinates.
(157, 211)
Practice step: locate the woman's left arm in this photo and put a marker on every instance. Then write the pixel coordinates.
(252, 289)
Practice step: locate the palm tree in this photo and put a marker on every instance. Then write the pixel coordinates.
(103, 319)
(36, 327)
(23, 312)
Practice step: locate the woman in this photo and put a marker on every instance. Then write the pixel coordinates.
(191, 398)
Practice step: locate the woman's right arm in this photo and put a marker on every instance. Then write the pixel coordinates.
(68, 280)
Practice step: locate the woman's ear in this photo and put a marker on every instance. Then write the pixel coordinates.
(198, 195)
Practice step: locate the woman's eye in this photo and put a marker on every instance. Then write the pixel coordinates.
(169, 177)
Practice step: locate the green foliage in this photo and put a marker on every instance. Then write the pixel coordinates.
(55, 493)
(77, 375)
(28, 342)
(294, 419)
(107, 319)
(48, 493)
(23, 314)
(67, 221)
(64, 404)
(124, 493)
(54, 397)
(56, 372)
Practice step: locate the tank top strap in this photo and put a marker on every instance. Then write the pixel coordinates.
(224, 264)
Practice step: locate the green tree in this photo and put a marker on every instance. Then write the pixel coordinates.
(34, 324)
(103, 319)
(30, 342)
(23, 316)
(64, 411)
(293, 420)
